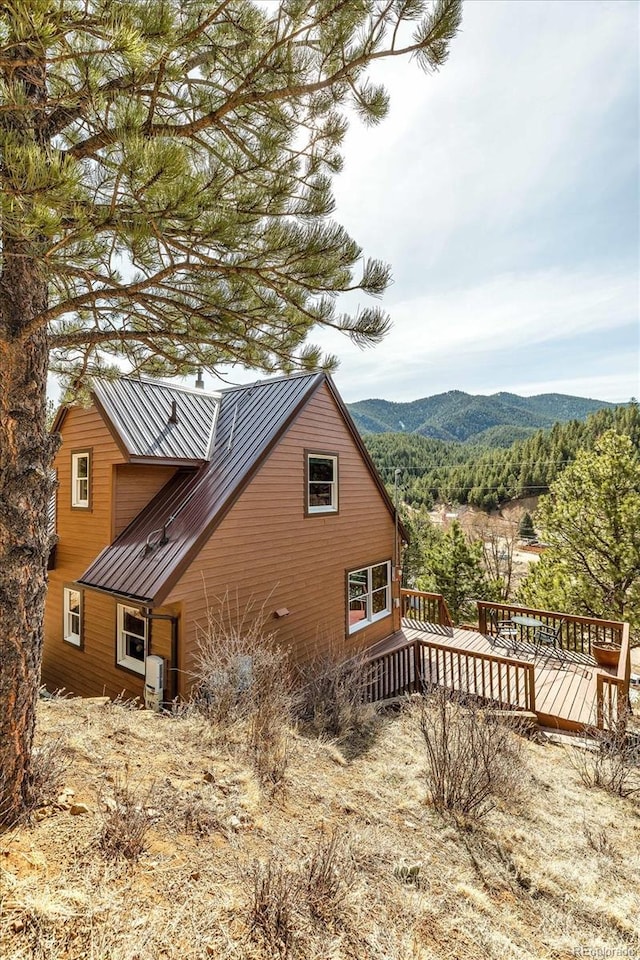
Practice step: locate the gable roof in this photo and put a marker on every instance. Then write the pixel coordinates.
(154, 421)
(148, 558)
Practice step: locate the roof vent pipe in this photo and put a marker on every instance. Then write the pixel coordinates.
(174, 412)
(199, 380)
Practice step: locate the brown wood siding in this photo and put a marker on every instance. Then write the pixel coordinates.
(266, 545)
(91, 671)
(135, 486)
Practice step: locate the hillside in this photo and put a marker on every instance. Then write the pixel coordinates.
(552, 870)
(488, 473)
(461, 416)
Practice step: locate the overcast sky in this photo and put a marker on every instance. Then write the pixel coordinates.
(504, 192)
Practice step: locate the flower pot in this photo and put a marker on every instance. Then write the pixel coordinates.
(606, 654)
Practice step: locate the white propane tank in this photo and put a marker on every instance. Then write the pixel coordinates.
(153, 682)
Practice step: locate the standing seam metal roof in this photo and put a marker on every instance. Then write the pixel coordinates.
(250, 420)
(140, 412)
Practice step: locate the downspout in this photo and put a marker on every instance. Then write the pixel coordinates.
(173, 664)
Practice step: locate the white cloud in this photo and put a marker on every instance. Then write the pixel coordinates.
(480, 338)
(617, 388)
(502, 134)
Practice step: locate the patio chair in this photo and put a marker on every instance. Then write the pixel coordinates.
(549, 638)
(502, 629)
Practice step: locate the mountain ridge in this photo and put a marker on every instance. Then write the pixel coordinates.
(459, 416)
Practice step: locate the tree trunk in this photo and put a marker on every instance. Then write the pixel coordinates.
(25, 486)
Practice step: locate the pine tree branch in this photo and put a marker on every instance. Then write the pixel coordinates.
(236, 101)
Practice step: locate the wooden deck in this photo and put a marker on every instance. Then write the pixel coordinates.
(565, 688)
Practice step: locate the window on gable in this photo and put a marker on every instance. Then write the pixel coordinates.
(80, 478)
(131, 639)
(72, 628)
(322, 483)
(369, 590)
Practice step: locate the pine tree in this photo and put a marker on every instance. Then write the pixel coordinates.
(591, 521)
(166, 194)
(453, 567)
(526, 530)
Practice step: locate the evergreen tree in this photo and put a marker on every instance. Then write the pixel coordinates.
(453, 567)
(591, 521)
(526, 530)
(165, 198)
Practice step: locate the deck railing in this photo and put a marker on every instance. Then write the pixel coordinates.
(421, 664)
(426, 607)
(576, 633)
(426, 661)
(612, 692)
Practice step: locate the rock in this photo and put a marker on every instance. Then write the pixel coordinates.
(208, 777)
(77, 809)
(234, 822)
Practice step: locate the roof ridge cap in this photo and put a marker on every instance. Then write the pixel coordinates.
(165, 384)
(298, 375)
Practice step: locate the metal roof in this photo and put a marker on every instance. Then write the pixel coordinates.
(149, 556)
(158, 421)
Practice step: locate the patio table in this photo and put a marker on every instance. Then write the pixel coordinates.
(528, 622)
(526, 626)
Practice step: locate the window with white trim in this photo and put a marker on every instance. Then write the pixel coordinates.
(80, 479)
(369, 591)
(131, 638)
(322, 483)
(72, 616)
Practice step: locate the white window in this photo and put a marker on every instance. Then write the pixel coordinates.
(132, 639)
(72, 616)
(369, 595)
(79, 479)
(322, 473)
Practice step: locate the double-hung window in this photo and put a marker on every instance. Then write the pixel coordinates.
(131, 640)
(72, 616)
(80, 479)
(369, 590)
(322, 483)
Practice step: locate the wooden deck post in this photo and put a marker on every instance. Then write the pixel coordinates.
(532, 688)
(417, 667)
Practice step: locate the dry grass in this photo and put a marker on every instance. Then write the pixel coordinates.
(541, 876)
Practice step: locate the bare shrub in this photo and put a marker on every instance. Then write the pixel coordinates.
(270, 739)
(598, 839)
(333, 697)
(126, 820)
(274, 905)
(472, 760)
(609, 758)
(45, 779)
(283, 899)
(328, 876)
(242, 675)
(47, 771)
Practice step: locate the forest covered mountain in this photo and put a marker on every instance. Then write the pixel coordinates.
(486, 474)
(462, 416)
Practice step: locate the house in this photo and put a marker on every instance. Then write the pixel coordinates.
(168, 497)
